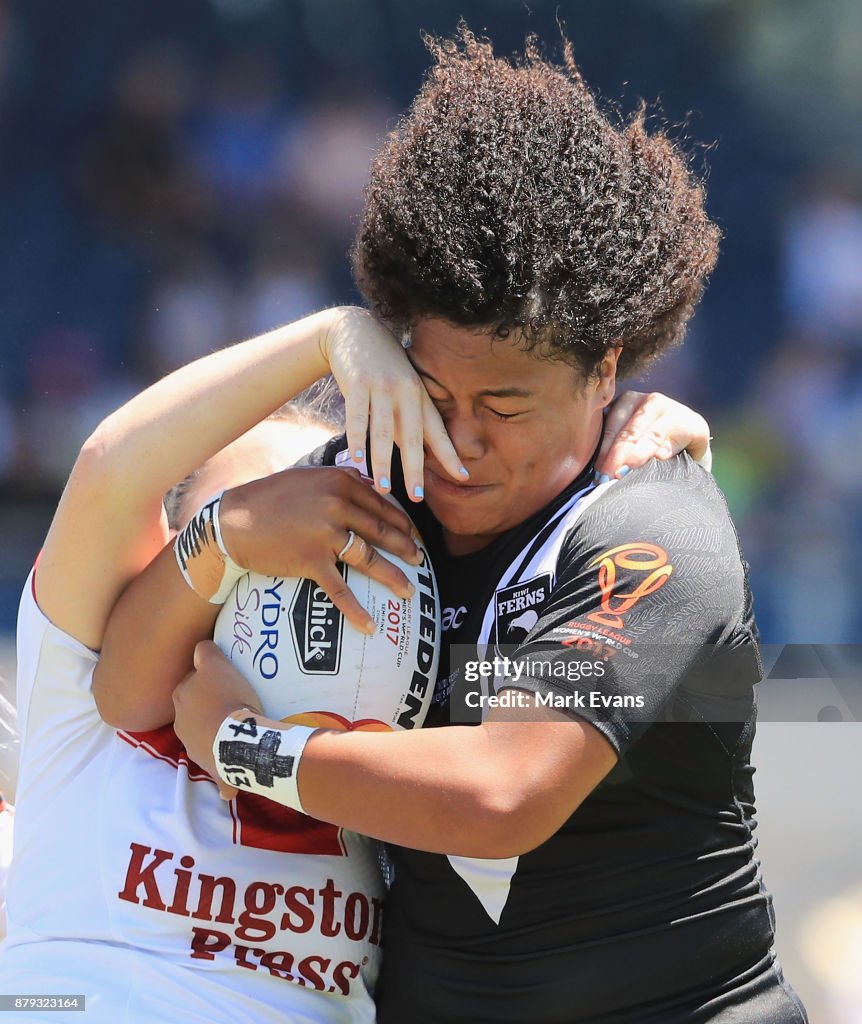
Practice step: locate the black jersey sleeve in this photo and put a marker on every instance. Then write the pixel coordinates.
(649, 618)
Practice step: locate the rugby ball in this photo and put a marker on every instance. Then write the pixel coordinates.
(310, 666)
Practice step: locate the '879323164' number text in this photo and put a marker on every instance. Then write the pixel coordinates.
(34, 1002)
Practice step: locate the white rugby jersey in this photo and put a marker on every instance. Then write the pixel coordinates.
(135, 885)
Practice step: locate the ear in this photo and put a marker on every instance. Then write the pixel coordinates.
(607, 383)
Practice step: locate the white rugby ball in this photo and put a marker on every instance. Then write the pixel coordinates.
(310, 666)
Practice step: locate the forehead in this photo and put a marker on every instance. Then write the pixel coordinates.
(462, 359)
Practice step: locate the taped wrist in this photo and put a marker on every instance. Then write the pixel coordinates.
(261, 760)
(203, 558)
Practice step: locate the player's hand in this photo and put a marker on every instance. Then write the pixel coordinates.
(641, 427)
(203, 700)
(299, 522)
(377, 380)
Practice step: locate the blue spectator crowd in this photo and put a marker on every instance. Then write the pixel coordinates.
(177, 176)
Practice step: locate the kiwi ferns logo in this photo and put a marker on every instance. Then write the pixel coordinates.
(316, 625)
(518, 606)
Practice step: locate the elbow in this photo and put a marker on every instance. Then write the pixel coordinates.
(92, 470)
(105, 445)
(107, 478)
(508, 822)
(113, 713)
(121, 713)
(129, 719)
(105, 452)
(522, 795)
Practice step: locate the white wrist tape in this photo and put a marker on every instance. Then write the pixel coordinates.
(260, 759)
(203, 558)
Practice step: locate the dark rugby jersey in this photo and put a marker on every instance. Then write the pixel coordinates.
(647, 905)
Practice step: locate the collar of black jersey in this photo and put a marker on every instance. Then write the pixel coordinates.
(432, 532)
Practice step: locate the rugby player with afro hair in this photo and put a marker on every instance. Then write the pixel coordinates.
(575, 844)
(506, 198)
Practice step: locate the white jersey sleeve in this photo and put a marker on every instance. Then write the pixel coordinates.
(60, 710)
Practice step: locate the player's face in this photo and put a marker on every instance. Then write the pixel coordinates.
(267, 448)
(524, 426)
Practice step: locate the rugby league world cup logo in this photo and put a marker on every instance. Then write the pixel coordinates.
(639, 557)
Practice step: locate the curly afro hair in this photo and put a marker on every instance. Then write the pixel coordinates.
(506, 200)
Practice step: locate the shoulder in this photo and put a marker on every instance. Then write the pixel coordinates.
(658, 550)
(674, 503)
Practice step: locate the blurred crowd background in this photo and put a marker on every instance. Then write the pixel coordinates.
(177, 176)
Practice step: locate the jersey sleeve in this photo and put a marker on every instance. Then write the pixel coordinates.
(55, 673)
(649, 617)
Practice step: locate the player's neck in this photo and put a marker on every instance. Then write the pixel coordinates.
(465, 544)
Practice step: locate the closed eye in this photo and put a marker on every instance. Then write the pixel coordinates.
(442, 401)
(504, 415)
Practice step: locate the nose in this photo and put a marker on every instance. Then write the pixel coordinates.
(466, 432)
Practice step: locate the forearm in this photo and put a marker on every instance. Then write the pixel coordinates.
(431, 790)
(496, 790)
